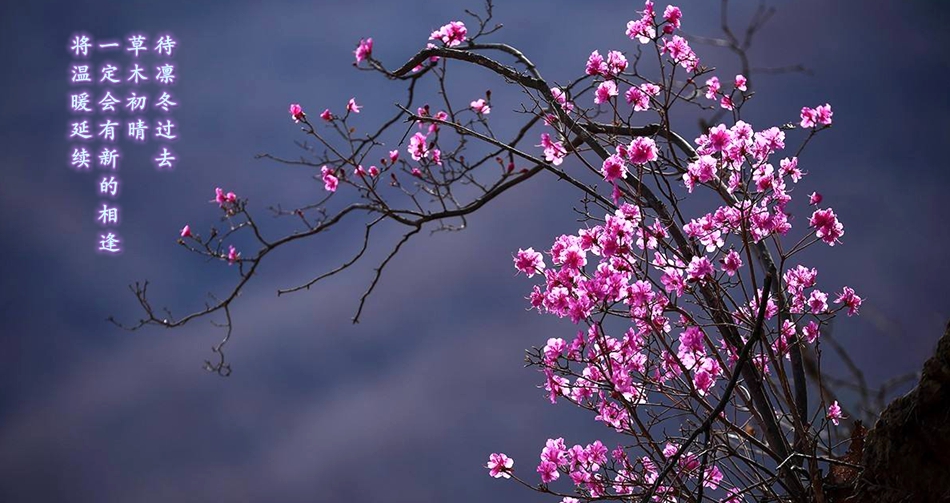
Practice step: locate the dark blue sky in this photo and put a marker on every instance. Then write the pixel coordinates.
(407, 405)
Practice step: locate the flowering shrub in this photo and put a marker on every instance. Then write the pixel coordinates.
(689, 332)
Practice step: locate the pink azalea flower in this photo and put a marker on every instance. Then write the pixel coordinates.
(699, 269)
(614, 168)
(186, 231)
(561, 98)
(814, 199)
(616, 63)
(221, 198)
(296, 112)
(480, 106)
(373, 171)
(731, 263)
(809, 117)
(596, 64)
(330, 181)
(548, 471)
(834, 413)
(554, 151)
(605, 91)
(681, 53)
(818, 302)
(672, 15)
(529, 262)
(499, 465)
(713, 477)
(823, 114)
(850, 299)
(326, 115)
(712, 87)
(642, 150)
(393, 155)
(364, 50)
(232, 255)
(827, 227)
(811, 332)
(741, 83)
(726, 103)
(351, 106)
(451, 34)
(418, 148)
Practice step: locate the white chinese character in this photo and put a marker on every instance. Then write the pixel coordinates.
(164, 101)
(81, 73)
(81, 129)
(164, 159)
(109, 243)
(165, 73)
(80, 102)
(108, 102)
(137, 42)
(108, 215)
(137, 74)
(107, 130)
(137, 130)
(165, 130)
(165, 44)
(108, 157)
(80, 158)
(81, 45)
(135, 103)
(108, 186)
(108, 72)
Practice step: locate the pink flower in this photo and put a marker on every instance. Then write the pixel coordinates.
(605, 91)
(814, 199)
(741, 83)
(713, 477)
(330, 181)
(731, 263)
(326, 115)
(481, 107)
(351, 106)
(554, 151)
(373, 171)
(681, 53)
(548, 471)
(451, 34)
(823, 114)
(642, 150)
(596, 64)
(418, 147)
(529, 262)
(616, 63)
(726, 103)
(614, 168)
(851, 300)
(222, 199)
(561, 98)
(698, 269)
(672, 15)
(818, 302)
(809, 117)
(712, 88)
(232, 255)
(393, 155)
(364, 50)
(296, 113)
(186, 231)
(834, 413)
(811, 332)
(827, 227)
(499, 465)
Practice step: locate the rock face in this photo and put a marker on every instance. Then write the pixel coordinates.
(906, 454)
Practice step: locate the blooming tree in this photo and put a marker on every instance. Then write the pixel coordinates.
(691, 337)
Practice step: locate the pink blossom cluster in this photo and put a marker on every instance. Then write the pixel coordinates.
(812, 117)
(451, 34)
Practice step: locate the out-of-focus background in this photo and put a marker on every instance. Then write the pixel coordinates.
(407, 405)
